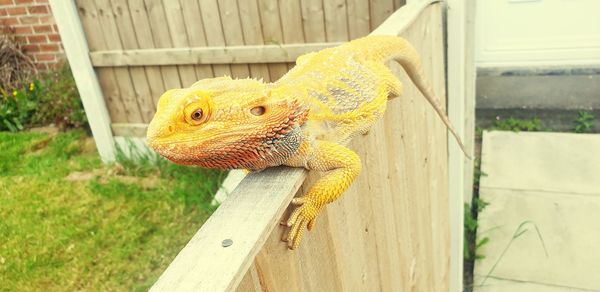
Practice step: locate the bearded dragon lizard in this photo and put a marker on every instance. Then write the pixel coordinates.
(302, 120)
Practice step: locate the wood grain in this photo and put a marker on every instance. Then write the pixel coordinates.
(206, 55)
(252, 30)
(88, 15)
(389, 232)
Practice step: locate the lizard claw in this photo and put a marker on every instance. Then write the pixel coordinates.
(302, 217)
(299, 201)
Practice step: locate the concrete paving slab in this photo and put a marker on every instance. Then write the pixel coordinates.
(546, 180)
(569, 226)
(542, 161)
(503, 285)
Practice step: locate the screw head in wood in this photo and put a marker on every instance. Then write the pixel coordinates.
(226, 242)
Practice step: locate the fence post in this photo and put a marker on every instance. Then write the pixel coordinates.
(77, 51)
(461, 112)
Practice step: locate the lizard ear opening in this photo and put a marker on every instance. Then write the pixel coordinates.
(258, 110)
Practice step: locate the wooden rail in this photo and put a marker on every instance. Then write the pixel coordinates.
(206, 55)
(389, 232)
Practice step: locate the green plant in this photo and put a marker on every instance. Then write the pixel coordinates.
(62, 105)
(584, 122)
(471, 245)
(17, 108)
(517, 125)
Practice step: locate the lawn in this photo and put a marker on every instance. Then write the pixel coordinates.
(68, 222)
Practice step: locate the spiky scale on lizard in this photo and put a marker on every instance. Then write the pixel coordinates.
(302, 120)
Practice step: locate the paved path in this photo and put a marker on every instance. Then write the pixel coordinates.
(546, 180)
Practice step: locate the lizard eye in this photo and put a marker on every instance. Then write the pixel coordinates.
(197, 115)
(258, 110)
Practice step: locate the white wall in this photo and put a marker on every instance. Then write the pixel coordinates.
(537, 32)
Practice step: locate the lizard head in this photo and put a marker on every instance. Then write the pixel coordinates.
(223, 123)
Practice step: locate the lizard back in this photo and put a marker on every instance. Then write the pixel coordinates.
(346, 90)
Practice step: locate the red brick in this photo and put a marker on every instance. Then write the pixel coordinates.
(42, 28)
(3, 12)
(16, 11)
(31, 48)
(39, 9)
(47, 19)
(37, 39)
(9, 21)
(49, 47)
(29, 20)
(21, 39)
(23, 1)
(41, 66)
(6, 2)
(44, 57)
(23, 30)
(54, 37)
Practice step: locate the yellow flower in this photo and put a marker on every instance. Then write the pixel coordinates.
(31, 86)
(14, 93)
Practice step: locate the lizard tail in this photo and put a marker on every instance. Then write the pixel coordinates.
(401, 51)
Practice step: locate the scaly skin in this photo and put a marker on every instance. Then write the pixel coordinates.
(302, 120)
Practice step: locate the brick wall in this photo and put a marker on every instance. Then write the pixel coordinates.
(35, 28)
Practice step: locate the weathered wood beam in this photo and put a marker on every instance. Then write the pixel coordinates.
(206, 55)
(129, 130)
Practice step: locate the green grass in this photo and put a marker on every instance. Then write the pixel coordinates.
(116, 230)
(584, 123)
(517, 125)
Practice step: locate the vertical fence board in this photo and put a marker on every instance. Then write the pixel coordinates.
(145, 40)
(196, 34)
(461, 112)
(399, 3)
(143, 92)
(360, 18)
(291, 23)
(313, 20)
(232, 31)
(162, 39)
(113, 41)
(380, 10)
(106, 76)
(251, 28)
(214, 32)
(336, 20)
(271, 25)
(179, 38)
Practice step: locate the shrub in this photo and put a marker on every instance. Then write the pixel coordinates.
(59, 102)
(52, 98)
(17, 108)
(16, 68)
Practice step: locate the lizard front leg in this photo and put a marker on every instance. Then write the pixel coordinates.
(341, 165)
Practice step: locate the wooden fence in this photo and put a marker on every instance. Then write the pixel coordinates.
(388, 232)
(140, 48)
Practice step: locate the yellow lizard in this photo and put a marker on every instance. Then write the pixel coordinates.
(302, 120)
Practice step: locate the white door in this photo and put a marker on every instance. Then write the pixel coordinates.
(537, 33)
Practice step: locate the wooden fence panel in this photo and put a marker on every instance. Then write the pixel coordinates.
(131, 92)
(388, 232)
(106, 76)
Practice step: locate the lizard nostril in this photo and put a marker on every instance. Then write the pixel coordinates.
(170, 129)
